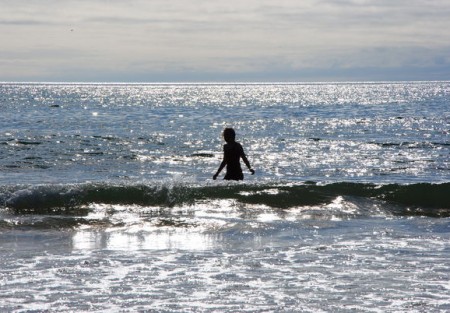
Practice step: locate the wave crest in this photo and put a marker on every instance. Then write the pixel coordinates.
(415, 199)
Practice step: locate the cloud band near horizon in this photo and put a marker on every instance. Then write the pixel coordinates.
(174, 40)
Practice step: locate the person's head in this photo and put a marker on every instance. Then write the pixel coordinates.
(229, 135)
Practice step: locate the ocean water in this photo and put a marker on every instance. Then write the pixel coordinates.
(107, 202)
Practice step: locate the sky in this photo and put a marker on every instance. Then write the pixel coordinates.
(224, 41)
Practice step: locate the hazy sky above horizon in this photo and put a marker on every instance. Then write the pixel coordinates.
(233, 40)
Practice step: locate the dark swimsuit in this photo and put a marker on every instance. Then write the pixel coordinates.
(233, 152)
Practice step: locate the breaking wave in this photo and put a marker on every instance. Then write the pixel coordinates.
(423, 199)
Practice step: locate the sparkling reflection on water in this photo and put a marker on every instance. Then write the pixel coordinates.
(373, 264)
(106, 152)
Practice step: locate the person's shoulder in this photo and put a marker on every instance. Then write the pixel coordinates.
(232, 146)
(239, 145)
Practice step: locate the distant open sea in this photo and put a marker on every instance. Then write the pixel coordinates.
(107, 202)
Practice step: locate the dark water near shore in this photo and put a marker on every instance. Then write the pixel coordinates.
(107, 201)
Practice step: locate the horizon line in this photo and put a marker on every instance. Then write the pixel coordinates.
(218, 83)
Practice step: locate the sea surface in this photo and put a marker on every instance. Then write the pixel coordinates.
(107, 202)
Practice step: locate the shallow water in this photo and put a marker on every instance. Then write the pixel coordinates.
(376, 264)
(107, 202)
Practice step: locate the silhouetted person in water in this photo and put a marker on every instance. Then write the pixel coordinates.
(232, 153)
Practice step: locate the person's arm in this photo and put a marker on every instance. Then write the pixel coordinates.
(222, 165)
(247, 163)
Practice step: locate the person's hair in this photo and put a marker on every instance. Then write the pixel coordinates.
(229, 135)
